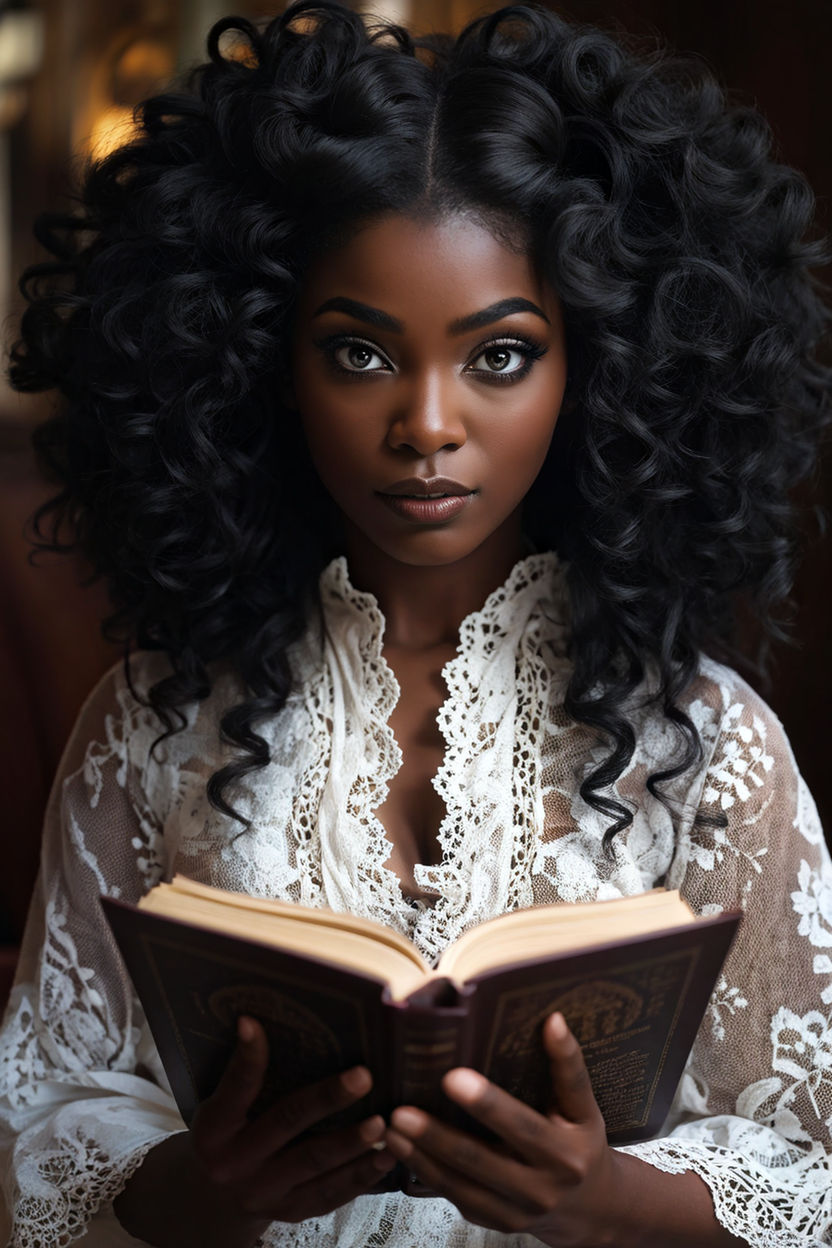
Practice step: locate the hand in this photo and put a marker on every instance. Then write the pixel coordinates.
(553, 1176)
(258, 1167)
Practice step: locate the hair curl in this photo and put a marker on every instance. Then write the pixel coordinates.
(676, 244)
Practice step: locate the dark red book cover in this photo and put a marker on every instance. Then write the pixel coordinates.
(634, 1005)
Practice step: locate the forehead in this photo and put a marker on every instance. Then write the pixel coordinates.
(402, 263)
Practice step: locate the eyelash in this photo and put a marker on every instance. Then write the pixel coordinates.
(526, 346)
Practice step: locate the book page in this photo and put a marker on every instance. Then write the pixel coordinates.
(355, 943)
(565, 927)
(373, 949)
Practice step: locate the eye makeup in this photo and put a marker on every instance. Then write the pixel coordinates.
(334, 343)
(529, 349)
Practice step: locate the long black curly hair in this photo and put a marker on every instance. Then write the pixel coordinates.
(678, 248)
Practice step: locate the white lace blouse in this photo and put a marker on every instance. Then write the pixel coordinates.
(82, 1093)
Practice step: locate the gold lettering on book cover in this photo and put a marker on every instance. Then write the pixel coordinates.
(425, 1061)
(624, 1022)
(599, 1007)
(620, 1086)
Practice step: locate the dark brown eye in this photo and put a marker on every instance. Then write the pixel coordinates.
(358, 357)
(506, 360)
(501, 358)
(498, 358)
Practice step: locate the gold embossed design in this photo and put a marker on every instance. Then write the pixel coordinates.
(196, 1022)
(306, 1031)
(600, 1007)
(625, 1026)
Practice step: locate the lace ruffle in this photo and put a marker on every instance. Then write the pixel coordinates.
(752, 1201)
(501, 677)
(65, 1188)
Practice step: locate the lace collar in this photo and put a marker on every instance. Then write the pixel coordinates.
(536, 585)
(510, 665)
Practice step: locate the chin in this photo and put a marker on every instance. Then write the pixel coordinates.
(435, 548)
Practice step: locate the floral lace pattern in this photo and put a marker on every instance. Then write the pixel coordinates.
(82, 1092)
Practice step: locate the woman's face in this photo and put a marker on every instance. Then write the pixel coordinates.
(425, 351)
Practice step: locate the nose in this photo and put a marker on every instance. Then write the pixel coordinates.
(427, 417)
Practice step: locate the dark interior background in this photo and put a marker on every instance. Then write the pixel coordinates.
(70, 72)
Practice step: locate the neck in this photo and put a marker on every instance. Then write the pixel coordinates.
(424, 605)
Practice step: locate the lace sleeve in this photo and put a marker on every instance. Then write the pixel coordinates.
(82, 1093)
(753, 1113)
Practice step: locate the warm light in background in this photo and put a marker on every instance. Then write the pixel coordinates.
(112, 128)
(137, 64)
(398, 11)
(21, 51)
(21, 44)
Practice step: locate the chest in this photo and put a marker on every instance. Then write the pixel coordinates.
(413, 810)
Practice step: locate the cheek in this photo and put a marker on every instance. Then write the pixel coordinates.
(334, 419)
(338, 444)
(521, 445)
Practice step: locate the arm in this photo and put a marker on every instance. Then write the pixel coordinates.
(747, 1156)
(553, 1176)
(75, 1117)
(89, 1145)
(753, 1112)
(224, 1182)
(168, 1201)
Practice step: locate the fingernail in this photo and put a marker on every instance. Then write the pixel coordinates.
(357, 1080)
(466, 1085)
(410, 1121)
(245, 1030)
(371, 1129)
(557, 1026)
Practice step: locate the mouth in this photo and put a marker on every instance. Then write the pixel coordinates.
(426, 488)
(422, 497)
(427, 509)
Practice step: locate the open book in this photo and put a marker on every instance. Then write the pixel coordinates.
(632, 976)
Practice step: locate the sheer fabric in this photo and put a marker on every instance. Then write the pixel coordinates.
(82, 1092)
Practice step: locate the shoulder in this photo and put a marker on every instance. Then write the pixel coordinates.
(751, 782)
(735, 723)
(117, 720)
(124, 685)
(730, 717)
(745, 800)
(113, 712)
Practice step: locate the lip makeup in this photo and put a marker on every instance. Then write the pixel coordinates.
(427, 500)
(427, 510)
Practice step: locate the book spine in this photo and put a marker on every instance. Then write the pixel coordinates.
(428, 1039)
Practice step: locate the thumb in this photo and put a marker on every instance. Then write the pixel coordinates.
(571, 1088)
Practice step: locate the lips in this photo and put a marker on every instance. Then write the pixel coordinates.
(427, 501)
(426, 487)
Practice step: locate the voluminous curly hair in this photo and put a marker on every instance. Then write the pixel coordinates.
(676, 244)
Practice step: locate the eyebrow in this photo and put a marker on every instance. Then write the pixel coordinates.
(476, 320)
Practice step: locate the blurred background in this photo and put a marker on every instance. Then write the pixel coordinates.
(71, 72)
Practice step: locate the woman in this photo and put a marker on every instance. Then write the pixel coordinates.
(428, 408)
